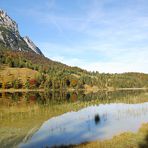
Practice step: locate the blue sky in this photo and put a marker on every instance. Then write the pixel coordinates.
(97, 35)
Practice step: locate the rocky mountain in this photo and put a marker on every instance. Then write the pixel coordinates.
(32, 45)
(11, 38)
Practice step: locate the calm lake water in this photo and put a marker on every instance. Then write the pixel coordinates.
(53, 119)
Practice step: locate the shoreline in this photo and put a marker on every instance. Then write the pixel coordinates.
(89, 90)
(131, 89)
(126, 139)
(21, 90)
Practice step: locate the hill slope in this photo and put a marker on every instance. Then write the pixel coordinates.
(55, 75)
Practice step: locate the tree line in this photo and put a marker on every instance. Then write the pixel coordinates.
(55, 75)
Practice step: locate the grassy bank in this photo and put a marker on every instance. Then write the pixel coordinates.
(125, 140)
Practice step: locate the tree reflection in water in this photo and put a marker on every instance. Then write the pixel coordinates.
(97, 119)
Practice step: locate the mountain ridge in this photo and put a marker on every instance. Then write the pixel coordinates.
(11, 38)
(6, 21)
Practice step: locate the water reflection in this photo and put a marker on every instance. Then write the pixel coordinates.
(21, 114)
(97, 119)
(58, 97)
(79, 127)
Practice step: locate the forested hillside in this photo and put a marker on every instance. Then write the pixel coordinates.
(54, 75)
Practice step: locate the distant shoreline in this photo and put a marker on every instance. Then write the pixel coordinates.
(22, 90)
(42, 90)
(131, 89)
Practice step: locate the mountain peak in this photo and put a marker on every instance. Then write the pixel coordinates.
(7, 22)
(10, 37)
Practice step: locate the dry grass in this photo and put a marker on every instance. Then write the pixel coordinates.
(88, 89)
(8, 74)
(125, 140)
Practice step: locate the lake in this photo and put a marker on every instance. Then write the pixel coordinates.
(67, 118)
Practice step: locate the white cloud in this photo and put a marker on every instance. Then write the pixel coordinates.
(115, 67)
(134, 65)
(117, 60)
(114, 30)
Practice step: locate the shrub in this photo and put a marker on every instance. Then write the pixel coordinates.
(8, 85)
(17, 84)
